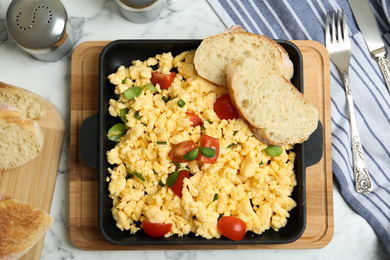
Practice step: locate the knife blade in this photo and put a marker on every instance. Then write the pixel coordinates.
(367, 23)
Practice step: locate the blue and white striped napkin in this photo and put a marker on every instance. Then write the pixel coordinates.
(305, 20)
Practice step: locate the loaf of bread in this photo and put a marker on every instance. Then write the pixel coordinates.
(28, 103)
(216, 52)
(21, 226)
(277, 112)
(21, 139)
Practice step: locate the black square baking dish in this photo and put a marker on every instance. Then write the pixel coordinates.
(94, 144)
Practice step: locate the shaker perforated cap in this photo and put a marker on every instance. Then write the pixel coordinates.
(36, 24)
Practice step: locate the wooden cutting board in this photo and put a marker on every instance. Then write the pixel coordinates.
(83, 212)
(34, 182)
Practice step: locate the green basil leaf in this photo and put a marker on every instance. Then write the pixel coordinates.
(172, 178)
(273, 150)
(133, 92)
(207, 152)
(191, 155)
(123, 112)
(116, 131)
(151, 87)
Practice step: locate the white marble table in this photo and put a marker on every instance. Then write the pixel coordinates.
(94, 20)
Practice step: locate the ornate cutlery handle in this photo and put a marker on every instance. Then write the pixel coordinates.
(362, 177)
(385, 68)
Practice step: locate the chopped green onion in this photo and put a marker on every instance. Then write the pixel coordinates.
(274, 150)
(165, 99)
(215, 197)
(133, 92)
(261, 163)
(207, 152)
(137, 174)
(136, 115)
(123, 112)
(231, 145)
(191, 155)
(116, 131)
(161, 183)
(235, 132)
(161, 142)
(181, 103)
(124, 80)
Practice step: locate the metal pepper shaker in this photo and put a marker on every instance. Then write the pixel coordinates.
(40, 27)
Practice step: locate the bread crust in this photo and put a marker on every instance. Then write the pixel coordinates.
(211, 62)
(21, 226)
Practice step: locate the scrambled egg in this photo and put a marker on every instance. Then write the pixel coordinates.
(244, 181)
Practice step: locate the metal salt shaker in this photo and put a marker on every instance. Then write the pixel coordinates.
(40, 27)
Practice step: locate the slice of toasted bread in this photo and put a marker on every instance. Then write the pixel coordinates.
(216, 52)
(21, 226)
(21, 139)
(277, 112)
(28, 103)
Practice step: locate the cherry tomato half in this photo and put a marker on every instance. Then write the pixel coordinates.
(178, 151)
(177, 188)
(232, 227)
(164, 80)
(196, 120)
(225, 109)
(156, 229)
(210, 142)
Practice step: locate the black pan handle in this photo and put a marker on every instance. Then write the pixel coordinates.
(88, 142)
(314, 146)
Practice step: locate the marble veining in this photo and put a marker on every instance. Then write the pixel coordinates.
(94, 20)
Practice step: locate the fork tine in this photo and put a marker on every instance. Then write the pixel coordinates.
(345, 28)
(327, 33)
(339, 28)
(334, 39)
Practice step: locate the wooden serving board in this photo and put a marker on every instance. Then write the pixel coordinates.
(34, 182)
(83, 212)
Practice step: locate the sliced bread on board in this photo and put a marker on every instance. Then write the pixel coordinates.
(216, 52)
(28, 103)
(21, 226)
(21, 139)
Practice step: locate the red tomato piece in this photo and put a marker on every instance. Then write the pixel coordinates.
(178, 151)
(196, 120)
(210, 142)
(177, 188)
(156, 229)
(164, 80)
(232, 227)
(225, 109)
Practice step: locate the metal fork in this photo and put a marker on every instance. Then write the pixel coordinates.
(339, 48)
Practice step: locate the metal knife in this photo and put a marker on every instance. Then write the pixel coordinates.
(368, 26)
